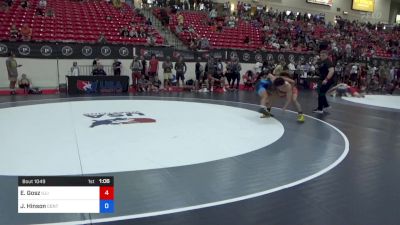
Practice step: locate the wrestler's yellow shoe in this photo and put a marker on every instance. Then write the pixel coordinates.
(300, 118)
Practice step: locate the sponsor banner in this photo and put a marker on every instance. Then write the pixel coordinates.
(97, 84)
(111, 51)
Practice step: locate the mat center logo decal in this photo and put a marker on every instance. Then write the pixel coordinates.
(117, 118)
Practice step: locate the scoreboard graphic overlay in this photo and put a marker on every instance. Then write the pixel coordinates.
(65, 194)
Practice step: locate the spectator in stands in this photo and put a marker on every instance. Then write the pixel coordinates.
(391, 87)
(248, 80)
(204, 43)
(193, 44)
(348, 50)
(42, 7)
(133, 22)
(209, 69)
(9, 2)
(144, 3)
(236, 68)
(136, 67)
(102, 39)
(392, 73)
(151, 41)
(339, 71)
(14, 33)
(191, 29)
(139, 31)
(142, 33)
(180, 68)
(155, 85)
(153, 67)
(228, 72)
(117, 65)
(50, 12)
(384, 75)
(133, 33)
(99, 71)
(12, 70)
(258, 68)
(226, 8)
(371, 71)
(213, 14)
(144, 66)
(117, 4)
(3, 7)
(24, 4)
(95, 62)
(232, 21)
(165, 21)
(220, 26)
(213, 27)
(191, 5)
(279, 68)
(354, 74)
(291, 68)
(75, 69)
(217, 78)
(26, 32)
(180, 19)
(124, 32)
(200, 78)
(373, 85)
(185, 5)
(246, 40)
(148, 22)
(24, 83)
(178, 29)
(167, 67)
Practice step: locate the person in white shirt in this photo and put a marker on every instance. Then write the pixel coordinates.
(291, 68)
(354, 74)
(74, 69)
(258, 68)
(42, 4)
(213, 14)
(392, 74)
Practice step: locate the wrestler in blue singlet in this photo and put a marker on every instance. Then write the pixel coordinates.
(263, 85)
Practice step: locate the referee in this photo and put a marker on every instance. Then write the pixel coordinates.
(326, 72)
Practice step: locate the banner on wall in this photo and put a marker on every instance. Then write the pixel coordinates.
(321, 2)
(97, 84)
(364, 5)
(110, 51)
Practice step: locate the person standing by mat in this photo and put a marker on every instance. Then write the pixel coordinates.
(326, 72)
(12, 70)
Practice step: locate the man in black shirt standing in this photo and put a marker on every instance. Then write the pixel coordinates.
(117, 67)
(180, 68)
(326, 72)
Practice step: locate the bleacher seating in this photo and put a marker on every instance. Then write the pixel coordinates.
(372, 42)
(74, 21)
(228, 38)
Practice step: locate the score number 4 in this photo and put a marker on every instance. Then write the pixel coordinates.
(107, 193)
